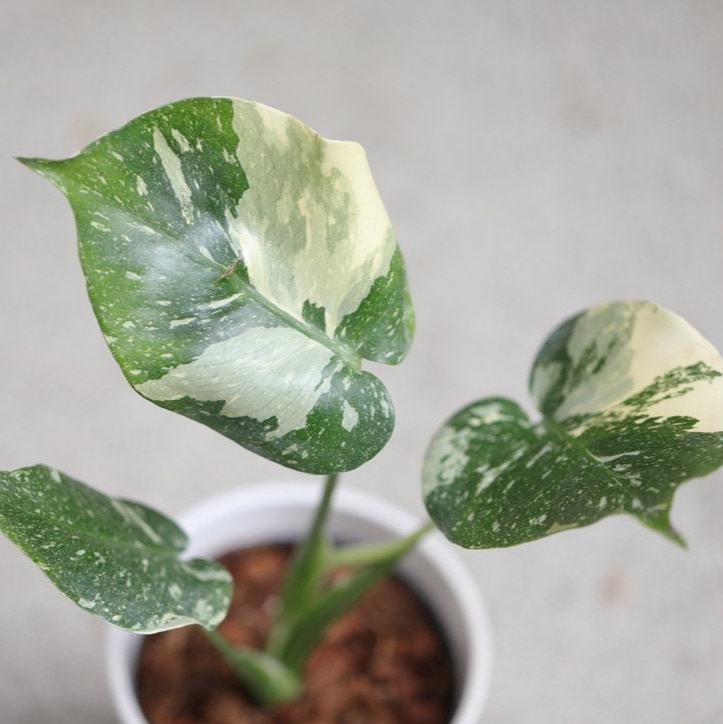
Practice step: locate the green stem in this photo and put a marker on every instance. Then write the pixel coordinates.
(312, 599)
(307, 567)
(368, 553)
(322, 512)
(337, 598)
(269, 680)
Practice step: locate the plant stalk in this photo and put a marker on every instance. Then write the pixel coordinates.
(306, 569)
(311, 600)
(364, 554)
(269, 680)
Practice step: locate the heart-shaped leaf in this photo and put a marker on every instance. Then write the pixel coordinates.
(241, 267)
(114, 558)
(632, 398)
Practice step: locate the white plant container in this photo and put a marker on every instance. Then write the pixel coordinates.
(275, 512)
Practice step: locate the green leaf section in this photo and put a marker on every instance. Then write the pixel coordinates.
(632, 403)
(241, 267)
(115, 558)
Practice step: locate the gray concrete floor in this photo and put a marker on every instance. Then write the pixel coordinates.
(534, 158)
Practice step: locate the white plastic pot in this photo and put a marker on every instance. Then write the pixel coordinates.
(272, 512)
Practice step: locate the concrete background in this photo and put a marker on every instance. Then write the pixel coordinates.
(535, 157)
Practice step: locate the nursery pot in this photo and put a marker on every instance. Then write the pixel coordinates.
(276, 512)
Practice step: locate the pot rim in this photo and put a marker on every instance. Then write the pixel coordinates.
(454, 575)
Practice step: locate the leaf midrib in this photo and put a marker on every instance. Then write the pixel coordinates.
(348, 355)
(340, 350)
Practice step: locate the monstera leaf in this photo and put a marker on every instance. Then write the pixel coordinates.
(241, 267)
(632, 404)
(114, 558)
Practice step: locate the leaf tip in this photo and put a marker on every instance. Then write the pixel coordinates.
(34, 164)
(47, 168)
(659, 521)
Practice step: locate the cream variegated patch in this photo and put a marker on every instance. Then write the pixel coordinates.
(637, 343)
(174, 173)
(326, 193)
(446, 458)
(262, 373)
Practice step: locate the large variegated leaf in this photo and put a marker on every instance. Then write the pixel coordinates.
(632, 398)
(241, 267)
(114, 558)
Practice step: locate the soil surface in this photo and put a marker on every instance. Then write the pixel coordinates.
(384, 662)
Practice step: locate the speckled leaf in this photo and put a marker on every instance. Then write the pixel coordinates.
(632, 403)
(241, 267)
(114, 558)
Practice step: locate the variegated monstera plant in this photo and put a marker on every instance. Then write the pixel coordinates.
(242, 268)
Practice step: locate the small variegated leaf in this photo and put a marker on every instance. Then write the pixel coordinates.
(241, 267)
(632, 403)
(115, 558)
